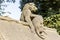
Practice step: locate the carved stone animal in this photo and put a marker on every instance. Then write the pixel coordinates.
(27, 14)
(38, 25)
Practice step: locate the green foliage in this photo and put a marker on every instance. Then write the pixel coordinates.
(46, 7)
(53, 21)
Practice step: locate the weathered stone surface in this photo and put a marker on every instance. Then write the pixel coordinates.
(10, 30)
(51, 34)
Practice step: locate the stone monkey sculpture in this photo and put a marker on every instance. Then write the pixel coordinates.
(26, 14)
(36, 24)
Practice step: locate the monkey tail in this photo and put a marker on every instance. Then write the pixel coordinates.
(40, 36)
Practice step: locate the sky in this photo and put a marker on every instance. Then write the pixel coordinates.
(12, 8)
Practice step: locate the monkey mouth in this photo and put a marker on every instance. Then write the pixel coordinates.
(34, 12)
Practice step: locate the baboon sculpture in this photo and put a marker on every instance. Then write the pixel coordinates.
(26, 14)
(36, 24)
